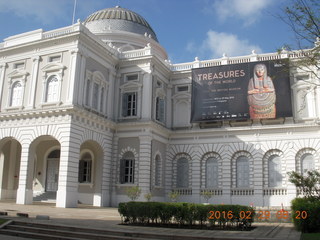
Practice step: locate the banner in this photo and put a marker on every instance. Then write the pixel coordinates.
(255, 90)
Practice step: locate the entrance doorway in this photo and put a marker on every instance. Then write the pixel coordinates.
(53, 171)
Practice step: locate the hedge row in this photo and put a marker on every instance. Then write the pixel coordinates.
(190, 214)
(306, 214)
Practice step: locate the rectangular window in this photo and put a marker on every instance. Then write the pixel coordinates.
(18, 65)
(85, 171)
(126, 171)
(303, 77)
(54, 58)
(182, 89)
(129, 104)
(132, 77)
(88, 88)
(160, 109)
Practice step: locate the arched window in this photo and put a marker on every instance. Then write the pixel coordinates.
(307, 163)
(212, 173)
(182, 173)
(52, 89)
(16, 95)
(85, 168)
(127, 168)
(157, 172)
(243, 172)
(274, 171)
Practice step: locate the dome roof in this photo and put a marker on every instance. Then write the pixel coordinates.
(118, 19)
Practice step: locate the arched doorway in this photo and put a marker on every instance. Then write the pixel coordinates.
(10, 156)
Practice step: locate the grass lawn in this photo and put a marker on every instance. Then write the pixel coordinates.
(310, 236)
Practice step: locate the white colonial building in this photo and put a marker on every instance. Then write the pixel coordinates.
(92, 108)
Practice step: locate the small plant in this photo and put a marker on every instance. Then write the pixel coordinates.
(148, 196)
(133, 192)
(174, 195)
(207, 195)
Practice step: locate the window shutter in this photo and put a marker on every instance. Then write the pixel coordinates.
(124, 104)
(122, 170)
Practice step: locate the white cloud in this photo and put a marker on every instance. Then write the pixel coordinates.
(247, 10)
(218, 43)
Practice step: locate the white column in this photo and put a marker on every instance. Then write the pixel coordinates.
(25, 192)
(146, 105)
(145, 165)
(106, 181)
(34, 79)
(67, 194)
(2, 74)
(115, 172)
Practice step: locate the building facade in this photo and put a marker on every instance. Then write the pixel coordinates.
(93, 108)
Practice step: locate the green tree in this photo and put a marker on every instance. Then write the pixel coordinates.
(309, 185)
(303, 17)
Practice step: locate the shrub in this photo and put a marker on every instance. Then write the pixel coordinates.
(174, 196)
(148, 196)
(133, 192)
(305, 214)
(186, 214)
(207, 195)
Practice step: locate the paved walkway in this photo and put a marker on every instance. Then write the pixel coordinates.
(108, 218)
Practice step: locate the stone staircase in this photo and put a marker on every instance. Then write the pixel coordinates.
(46, 197)
(54, 232)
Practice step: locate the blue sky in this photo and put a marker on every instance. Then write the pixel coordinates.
(185, 28)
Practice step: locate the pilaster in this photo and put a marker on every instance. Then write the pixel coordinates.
(2, 74)
(33, 84)
(146, 96)
(67, 194)
(145, 164)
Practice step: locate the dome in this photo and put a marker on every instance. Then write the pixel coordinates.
(118, 19)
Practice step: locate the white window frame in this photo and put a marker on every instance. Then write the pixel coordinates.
(56, 99)
(55, 58)
(215, 173)
(307, 165)
(52, 69)
(274, 168)
(182, 177)
(243, 172)
(128, 75)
